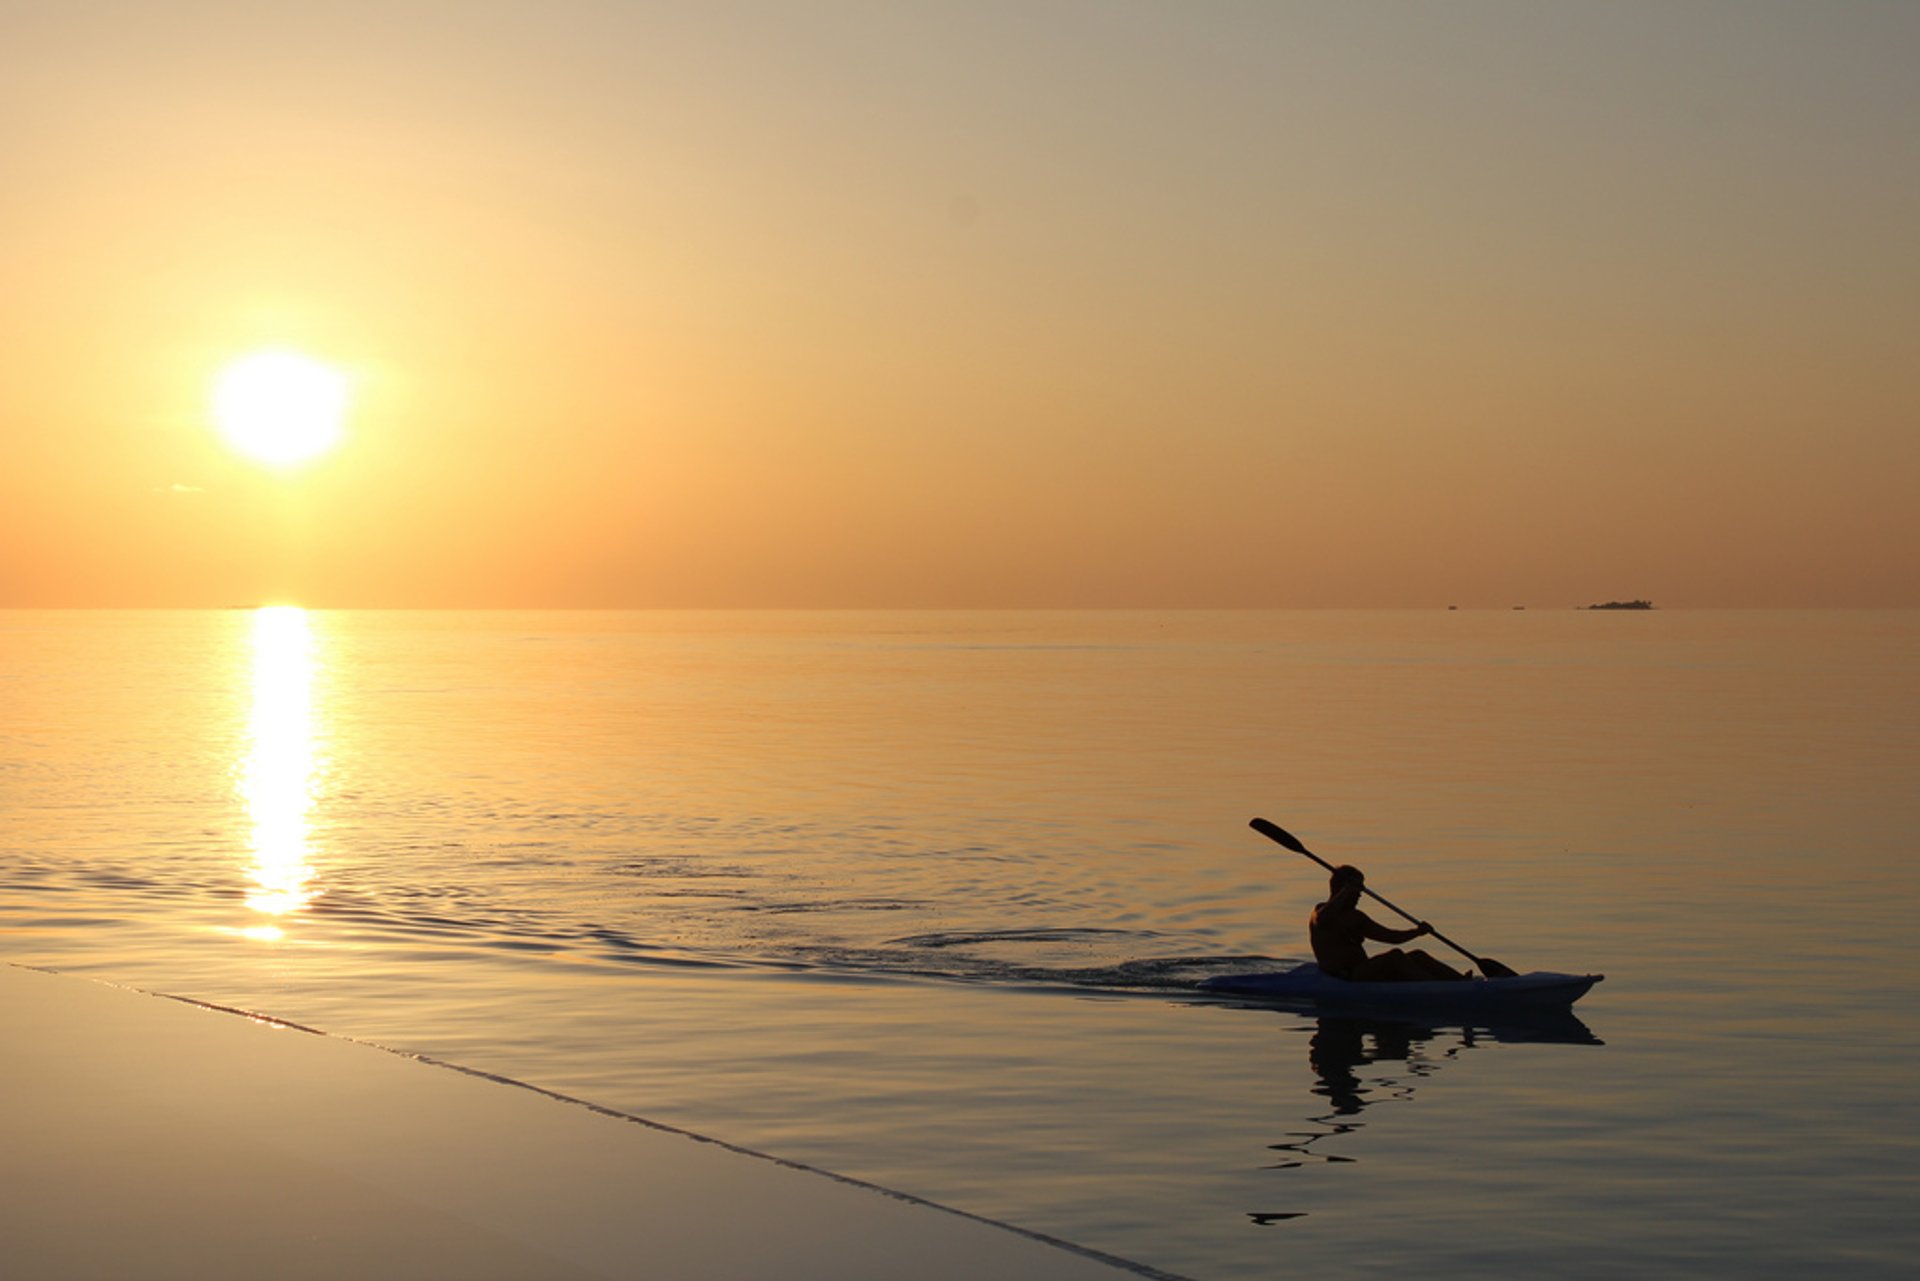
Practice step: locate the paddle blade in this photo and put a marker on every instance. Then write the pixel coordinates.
(1280, 834)
(1493, 969)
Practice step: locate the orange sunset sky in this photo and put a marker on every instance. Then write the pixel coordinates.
(967, 304)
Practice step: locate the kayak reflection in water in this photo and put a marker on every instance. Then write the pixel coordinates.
(1338, 929)
(1338, 1048)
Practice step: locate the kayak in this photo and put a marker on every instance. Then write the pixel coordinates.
(1305, 984)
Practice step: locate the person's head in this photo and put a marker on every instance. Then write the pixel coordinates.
(1346, 878)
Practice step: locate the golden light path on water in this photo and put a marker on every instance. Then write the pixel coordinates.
(278, 777)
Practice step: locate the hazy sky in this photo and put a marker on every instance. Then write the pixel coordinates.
(890, 304)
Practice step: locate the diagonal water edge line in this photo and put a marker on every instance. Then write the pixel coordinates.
(1058, 1243)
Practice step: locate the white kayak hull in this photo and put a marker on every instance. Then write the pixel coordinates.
(1306, 985)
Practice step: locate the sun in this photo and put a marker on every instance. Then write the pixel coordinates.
(281, 408)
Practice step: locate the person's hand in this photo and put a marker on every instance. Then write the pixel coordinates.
(1423, 928)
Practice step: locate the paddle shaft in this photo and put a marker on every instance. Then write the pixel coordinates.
(1280, 836)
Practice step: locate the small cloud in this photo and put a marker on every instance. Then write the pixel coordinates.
(178, 489)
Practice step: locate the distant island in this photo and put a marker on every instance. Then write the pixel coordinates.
(1624, 604)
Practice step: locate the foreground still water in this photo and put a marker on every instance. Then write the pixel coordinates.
(924, 898)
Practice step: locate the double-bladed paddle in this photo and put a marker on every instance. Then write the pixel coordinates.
(1488, 966)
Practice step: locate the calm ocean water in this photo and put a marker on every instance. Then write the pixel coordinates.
(923, 899)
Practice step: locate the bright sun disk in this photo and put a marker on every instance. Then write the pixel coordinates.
(281, 408)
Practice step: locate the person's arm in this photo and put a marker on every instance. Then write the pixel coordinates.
(1387, 934)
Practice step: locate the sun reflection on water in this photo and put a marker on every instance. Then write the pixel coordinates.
(278, 777)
